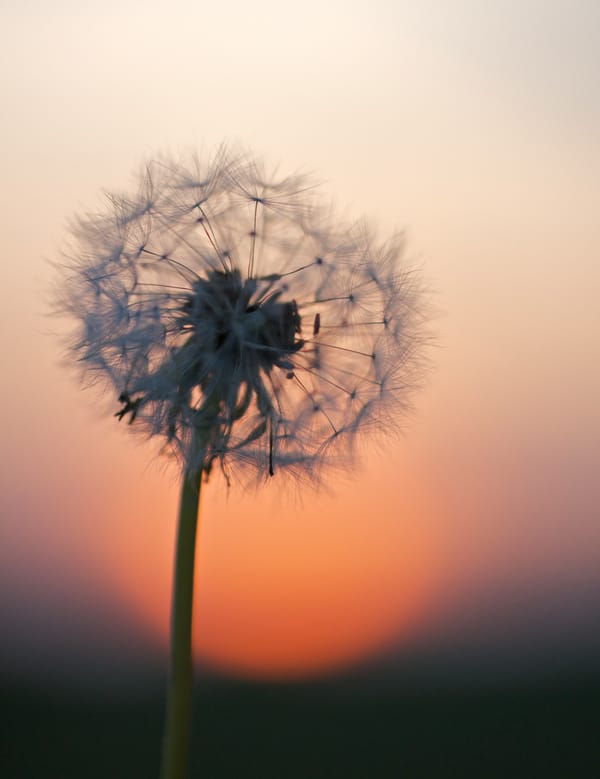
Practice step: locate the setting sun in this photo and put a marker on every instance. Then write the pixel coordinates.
(283, 593)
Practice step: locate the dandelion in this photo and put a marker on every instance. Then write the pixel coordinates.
(235, 321)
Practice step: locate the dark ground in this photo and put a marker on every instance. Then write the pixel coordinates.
(521, 728)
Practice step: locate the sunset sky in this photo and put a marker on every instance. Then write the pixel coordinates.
(475, 127)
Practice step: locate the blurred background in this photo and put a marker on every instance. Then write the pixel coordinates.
(439, 613)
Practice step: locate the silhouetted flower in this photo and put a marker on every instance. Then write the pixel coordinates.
(233, 317)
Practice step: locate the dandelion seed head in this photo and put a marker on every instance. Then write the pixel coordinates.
(231, 316)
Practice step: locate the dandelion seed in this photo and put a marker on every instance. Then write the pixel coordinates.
(198, 292)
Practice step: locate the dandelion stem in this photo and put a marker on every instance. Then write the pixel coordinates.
(179, 696)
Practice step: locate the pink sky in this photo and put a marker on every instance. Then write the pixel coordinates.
(477, 131)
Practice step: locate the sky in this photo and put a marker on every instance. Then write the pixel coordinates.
(474, 127)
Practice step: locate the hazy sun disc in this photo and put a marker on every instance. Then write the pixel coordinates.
(286, 593)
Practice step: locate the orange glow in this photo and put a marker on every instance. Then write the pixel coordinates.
(282, 593)
(474, 126)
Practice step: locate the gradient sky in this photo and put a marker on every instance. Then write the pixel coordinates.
(474, 126)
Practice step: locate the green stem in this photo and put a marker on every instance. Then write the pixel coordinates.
(179, 696)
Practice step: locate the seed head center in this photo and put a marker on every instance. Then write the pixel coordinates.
(242, 322)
